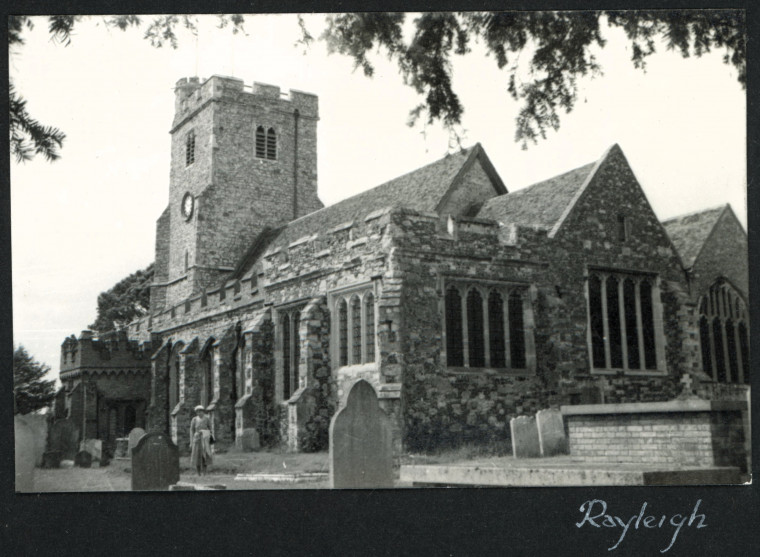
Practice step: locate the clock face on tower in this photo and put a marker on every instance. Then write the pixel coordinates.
(188, 204)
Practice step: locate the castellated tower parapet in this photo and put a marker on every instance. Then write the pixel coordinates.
(243, 158)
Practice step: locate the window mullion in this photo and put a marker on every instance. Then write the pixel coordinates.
(639, 326)
(605, 324)
(623, 331)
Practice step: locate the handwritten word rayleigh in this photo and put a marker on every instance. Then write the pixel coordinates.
(610, 521)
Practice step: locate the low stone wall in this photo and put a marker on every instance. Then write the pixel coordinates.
(689, 432)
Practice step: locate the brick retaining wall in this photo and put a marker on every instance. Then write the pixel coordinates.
(678, 433)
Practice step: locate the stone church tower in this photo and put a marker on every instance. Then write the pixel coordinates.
(242, 161)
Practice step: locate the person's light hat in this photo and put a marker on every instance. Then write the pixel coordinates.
(200, 407)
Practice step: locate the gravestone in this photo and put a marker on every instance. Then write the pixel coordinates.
(64, 437)
(551, 432)
(52, 459)
(39, 425)
(121, 450)
(155, 463)
(94, 447)
(83, 459)
(134, 437)
(361, 451)
(524, 437)
(24, 455)
(250, 439)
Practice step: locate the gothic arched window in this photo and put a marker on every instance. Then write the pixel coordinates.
(355, 327)
(622, 330)
(723, 334)
(290, 323)
(174, 376)
(207, 374)
(266, 143)
(489, 329)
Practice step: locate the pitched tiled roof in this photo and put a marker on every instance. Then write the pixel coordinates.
(689, 232)
(421, 190)
(541, 204)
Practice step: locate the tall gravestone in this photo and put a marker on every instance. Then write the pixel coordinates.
(551, 432)
(39, 425)
(24, 454)
(361, 447)
(64, 437)
(525, 442)
(155, 463)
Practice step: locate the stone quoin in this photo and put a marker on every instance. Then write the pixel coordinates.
(461, 304)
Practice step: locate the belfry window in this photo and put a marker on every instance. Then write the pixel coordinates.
(190, 148)
(290, 322)
(261, 143)
(354, 314)
(723, 334)
(271, 144)
(622, 330)
(266, 143)
(488, 327)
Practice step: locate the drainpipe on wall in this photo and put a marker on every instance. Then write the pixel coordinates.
(296, 115)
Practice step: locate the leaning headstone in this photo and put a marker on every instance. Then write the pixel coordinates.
(64, 437)
(134, 437)
(94, 447)
(24, 455)
(250, 439)
(524, 437)
(155, 463)
(361, 451)
(551, 432)
(83, 459)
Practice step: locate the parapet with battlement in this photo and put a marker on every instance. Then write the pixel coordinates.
(191, 95)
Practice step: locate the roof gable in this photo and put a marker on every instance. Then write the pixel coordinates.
(541, 205)
(690, 232)
(426, 189)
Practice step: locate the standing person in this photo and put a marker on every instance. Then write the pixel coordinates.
(200, 440)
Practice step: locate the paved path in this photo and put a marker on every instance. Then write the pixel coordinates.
(80, 479)
(112, 479)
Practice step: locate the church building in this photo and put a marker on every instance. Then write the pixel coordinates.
(462, 304)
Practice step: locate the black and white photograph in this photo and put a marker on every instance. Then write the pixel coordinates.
(380, 250)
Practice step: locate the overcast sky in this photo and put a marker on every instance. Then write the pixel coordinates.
(83, 223)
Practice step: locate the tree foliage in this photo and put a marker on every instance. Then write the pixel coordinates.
(556, 50)
(30, 391)
(127, 300)
(544, 54)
